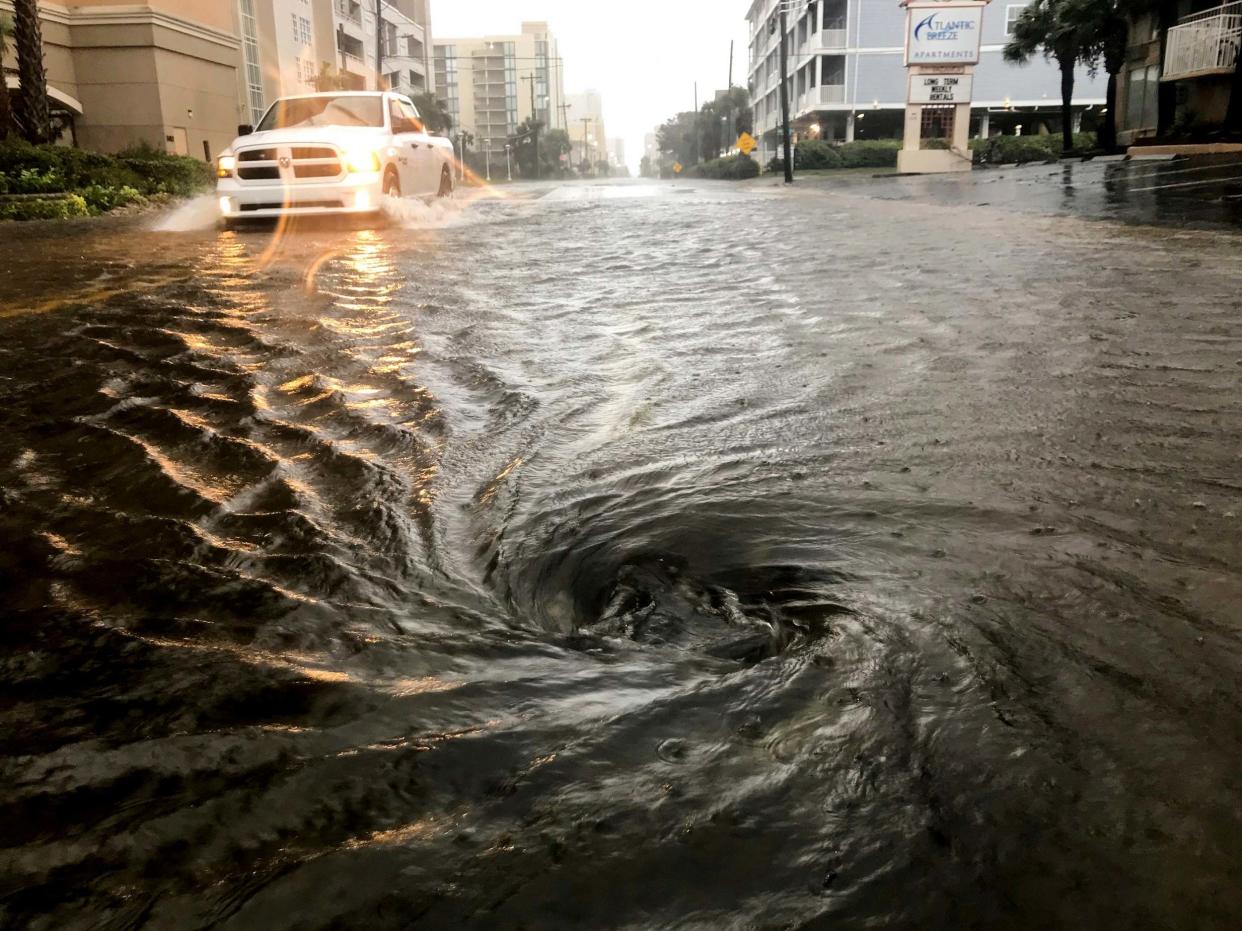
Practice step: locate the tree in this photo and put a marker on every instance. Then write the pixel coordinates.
(6, 108)
(331, 78)
(677, 137)
(1105, 27)
(645, 168)
(1055, 27)
(523, 145)
(33, 113)
(552, 145)
(435, 115)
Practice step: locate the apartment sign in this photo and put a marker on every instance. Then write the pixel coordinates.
(940, 88)
(943, 33)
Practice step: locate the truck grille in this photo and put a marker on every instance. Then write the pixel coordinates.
(290, 164)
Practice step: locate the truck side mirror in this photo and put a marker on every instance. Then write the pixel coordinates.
(245, 129)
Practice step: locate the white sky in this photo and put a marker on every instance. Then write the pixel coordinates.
(643, 56)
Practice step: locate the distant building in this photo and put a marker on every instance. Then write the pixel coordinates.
(492, 84)
(587, 132)
(616, 152)
(847, 77)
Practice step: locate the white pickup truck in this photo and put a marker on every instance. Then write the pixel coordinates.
(331, 153)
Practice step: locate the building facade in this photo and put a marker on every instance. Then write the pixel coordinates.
(847, 77)
(491, 85)
(1193, 67)
(586, 127)
(182, 75)
(161, 72)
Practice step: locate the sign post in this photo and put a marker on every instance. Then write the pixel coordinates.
(942, 49)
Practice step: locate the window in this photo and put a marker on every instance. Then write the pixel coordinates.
(302, 30)
(1012, 13)
(306, 72)
(1142, 98)
(250, 50)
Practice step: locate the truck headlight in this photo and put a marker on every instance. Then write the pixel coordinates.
(225, 166)
(362, 160)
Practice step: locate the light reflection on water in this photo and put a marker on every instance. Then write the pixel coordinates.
(578, 558)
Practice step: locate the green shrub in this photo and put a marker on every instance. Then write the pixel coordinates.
(730, 168)
(815, 154)
(169, 174)
(870, 153)
(44, 208)
(32, 181)
(102, 198)
(1003, 150)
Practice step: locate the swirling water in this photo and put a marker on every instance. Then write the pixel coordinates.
(625, 557)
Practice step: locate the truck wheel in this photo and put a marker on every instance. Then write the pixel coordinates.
(392, 184)
(446, 182)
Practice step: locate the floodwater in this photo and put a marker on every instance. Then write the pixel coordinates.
(627, 556)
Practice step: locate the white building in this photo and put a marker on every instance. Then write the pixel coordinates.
(847, 78)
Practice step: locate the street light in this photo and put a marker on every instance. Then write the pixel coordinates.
(487, 153)
(508, 160)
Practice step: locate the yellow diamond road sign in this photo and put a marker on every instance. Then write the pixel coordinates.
(746, 142)
(677, 167)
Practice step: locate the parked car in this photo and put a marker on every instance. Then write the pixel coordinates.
(332, 153)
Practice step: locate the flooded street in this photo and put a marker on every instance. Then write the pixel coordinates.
(624, 556)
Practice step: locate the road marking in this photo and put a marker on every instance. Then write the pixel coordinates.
(1185, 171)
(1158, 187)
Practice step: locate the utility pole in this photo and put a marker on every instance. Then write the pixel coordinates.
(585, 121)
(785, 96)
(487, 151)
(695, 140)
(509, 160)
(534, 122)
(379, 45)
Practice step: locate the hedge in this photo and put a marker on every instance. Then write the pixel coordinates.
(813, 154)
(1004, 150)
(102, 182)
(53, 207)
(729, 168)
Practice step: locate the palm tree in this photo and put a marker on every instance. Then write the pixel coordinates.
(6, 107)
(33, 113)
(435, 115)
(1054, 27)
(1106, 33)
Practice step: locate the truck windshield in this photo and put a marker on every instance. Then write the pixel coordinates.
(323, 111)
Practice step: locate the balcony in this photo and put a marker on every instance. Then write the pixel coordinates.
(833, 35)
(822, 96)
(1205, 43)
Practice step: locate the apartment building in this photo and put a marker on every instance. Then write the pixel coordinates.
(164, 72)
(288, 44)
(490, 85)
(847, 77)
(586, 126)
(1200, 56)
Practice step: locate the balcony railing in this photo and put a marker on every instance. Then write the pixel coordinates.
(1205, 43)
(822, 96)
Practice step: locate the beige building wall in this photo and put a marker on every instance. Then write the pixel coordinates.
(163, 72)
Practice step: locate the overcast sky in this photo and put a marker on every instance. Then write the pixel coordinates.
(643, 56)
